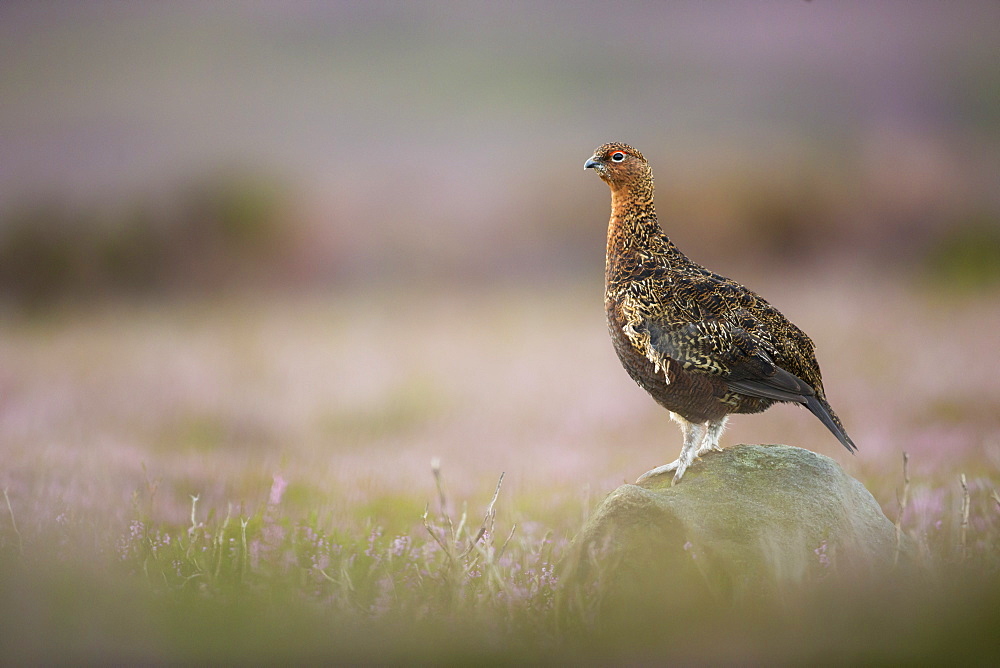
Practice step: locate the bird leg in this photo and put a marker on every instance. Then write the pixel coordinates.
(694, 434)
(712, 437)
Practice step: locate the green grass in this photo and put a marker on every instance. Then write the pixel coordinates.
(263, 585)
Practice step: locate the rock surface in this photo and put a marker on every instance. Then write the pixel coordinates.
(746, 519)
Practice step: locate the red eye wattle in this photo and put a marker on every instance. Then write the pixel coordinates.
(617, 156)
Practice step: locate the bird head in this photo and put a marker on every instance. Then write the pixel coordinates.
(619, 165)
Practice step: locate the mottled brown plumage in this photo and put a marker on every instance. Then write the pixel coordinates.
(701, 344)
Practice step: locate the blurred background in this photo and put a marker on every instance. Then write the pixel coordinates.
(335, 239)
(152, 148)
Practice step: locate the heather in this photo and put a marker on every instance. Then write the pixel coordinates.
(196, 481)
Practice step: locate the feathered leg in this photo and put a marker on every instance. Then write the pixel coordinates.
(714, 433)
(694, 434)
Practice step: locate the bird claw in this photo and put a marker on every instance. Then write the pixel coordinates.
(660, 470)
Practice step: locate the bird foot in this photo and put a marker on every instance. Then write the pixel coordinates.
(675, 465)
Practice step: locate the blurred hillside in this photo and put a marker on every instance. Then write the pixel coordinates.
(187, 147)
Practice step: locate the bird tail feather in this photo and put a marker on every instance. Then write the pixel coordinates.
(827, 417)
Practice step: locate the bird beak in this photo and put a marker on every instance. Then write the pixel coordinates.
(591, 163)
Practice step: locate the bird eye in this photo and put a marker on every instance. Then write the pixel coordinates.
(617, 156)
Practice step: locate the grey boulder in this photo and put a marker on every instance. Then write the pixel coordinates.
(748, 519)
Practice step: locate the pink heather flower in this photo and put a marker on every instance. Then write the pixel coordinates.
(689, 547)
(399, 546)
(277, 489)
(549, 578)
(820, 552)
(375, 535)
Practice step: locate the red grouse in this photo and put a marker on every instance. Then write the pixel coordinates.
(701, 344)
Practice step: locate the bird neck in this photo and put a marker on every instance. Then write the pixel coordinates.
(634, 234)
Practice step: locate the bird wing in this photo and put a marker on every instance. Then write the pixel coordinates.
(736, 347)
(719, 347)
